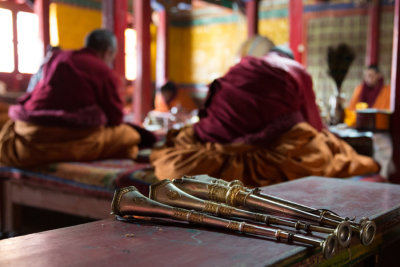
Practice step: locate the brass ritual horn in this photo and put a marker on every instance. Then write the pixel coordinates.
(129, 201)
(167, 193)
(365, 228)
(234, 194)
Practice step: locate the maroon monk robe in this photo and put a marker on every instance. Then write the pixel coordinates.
(77, 89)
(258, 100)
(370, 93)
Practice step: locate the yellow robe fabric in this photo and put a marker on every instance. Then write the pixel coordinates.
(23, 144)
(381, 102)
(182, 99)
(300, 152)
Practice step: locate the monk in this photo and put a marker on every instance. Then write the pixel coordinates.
(260, 124)
(74, 112)
(170, 96)
(371, 91)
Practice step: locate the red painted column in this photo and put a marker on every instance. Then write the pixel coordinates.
(296, 29)
(372, 55)
(15, 81)
(162, 49)
(42, 8)
(395, 95)
(252, 17)
(120, 24)
(142, 92)
(107, 10)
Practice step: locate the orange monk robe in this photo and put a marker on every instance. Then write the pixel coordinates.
(23, 144)
(381, 102)
(300, 152)
(182, 99)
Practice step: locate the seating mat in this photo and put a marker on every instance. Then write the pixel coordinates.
(97, 178)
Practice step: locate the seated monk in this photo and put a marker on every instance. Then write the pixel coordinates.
(371, 93)
(261, 125)
(74, 112)
(170, 96)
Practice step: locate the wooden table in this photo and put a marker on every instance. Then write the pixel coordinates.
(115, 243)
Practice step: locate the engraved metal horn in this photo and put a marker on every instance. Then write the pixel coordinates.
(366, 228)
(234, 196)
(167, 193)
(129, 201)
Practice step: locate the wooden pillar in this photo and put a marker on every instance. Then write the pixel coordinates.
(296, 29)
(15, 81)
(162, 48)
(107, 9)
(42, 8)
(252, 17)
(142, 93)
(114, 19)
(120, 25)
(372, 55)
(395, 95)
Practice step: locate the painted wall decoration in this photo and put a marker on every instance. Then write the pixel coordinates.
(330, 31)
(343, 24)
(204, 46)
(69, 24)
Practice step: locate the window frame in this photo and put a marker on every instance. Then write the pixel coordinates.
(15, 81)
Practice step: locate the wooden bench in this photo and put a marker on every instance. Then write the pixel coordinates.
(81, 189)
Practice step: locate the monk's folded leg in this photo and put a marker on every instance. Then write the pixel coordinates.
(23, 144)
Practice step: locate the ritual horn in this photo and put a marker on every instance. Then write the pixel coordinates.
(235, 194)
(129, 201)
(167, 193)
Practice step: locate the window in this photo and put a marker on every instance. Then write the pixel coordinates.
(130, 54)
(28, 53)
(30, 48)
(6, 43)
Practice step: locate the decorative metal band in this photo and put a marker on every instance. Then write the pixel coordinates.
(234, 225)
(307, 227)
(217, 192)
(241, 225)
(235, 182)
(322, 216)
(247, 195)
(195, 217)
(249, 229)
(363, 220)
(211, 207)
(278, 234)
(258, 217)
(225, 210)
(118, 196)
(241, 197)
(218, 209)
(180, 214)
(232, 196)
